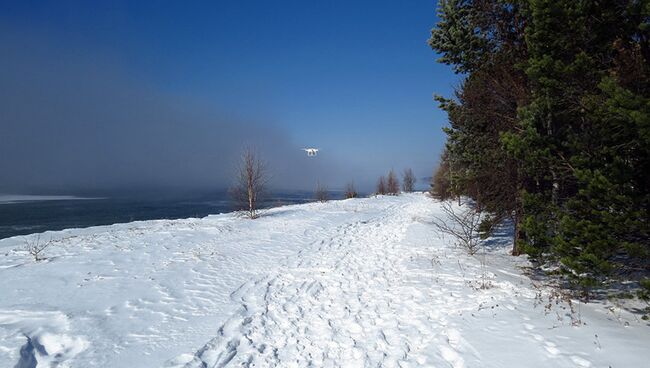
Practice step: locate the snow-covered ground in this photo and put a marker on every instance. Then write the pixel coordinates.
(354, 283)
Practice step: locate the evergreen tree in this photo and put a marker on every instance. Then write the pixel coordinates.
(552, 125)
(582, 137)
(483, 38)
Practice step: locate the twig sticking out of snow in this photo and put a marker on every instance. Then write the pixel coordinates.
(35, 247)
(462, 225)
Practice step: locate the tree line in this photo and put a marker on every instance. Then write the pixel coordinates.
(251, 180)
(389, 184)
(550, 128)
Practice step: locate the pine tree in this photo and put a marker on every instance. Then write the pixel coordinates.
(581, 139)
(484, 39)
(551, 126)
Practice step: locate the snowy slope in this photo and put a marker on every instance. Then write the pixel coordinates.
(354, 283)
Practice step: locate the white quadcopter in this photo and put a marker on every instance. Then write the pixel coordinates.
(311, 151)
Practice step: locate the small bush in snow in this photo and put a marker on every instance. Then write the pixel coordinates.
(35, 248)
(463, 224)
(321, 193)
(350, 191)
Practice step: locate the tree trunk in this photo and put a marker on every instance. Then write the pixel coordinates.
(517, 233)
(251, 201)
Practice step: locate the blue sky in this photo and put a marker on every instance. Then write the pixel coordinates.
(354, 78)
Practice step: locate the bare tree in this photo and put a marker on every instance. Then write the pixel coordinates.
(408, 183)
(441, 186)
(321, 193)
(462, 224)
(381, 185)
(250, 183)
(350, 190)
(35, 247)
(392, 183)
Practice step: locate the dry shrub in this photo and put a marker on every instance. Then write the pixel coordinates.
(408, 181)
(381, 185)
(392, 183)
(350, 190)
(441, 180)
(321, 193)
(463, 224)
(35, 248)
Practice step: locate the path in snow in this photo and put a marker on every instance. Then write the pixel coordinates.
(325, 306)
(355, 283)
(389, 292)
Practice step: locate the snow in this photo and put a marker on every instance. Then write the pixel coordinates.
(353, 283)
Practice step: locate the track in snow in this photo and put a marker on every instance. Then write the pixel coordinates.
(335, 304)
(389, 292)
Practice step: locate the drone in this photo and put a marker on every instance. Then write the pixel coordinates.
(311, 151)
